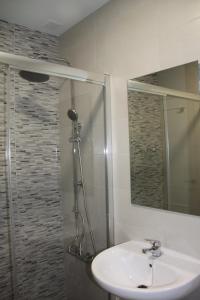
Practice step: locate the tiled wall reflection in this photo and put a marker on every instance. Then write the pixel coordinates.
(147, 149)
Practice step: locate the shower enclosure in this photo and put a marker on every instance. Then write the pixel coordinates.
(56, 212)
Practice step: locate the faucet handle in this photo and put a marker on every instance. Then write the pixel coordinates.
(155, 243)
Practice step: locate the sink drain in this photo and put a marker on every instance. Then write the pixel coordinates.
(142, 286)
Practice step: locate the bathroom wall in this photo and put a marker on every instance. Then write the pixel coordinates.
(129, 39)
(36, 204)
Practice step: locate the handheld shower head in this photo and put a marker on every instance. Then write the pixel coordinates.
(72, 114)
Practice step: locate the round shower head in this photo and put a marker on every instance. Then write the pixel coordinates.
(72, 114)
(34, 77)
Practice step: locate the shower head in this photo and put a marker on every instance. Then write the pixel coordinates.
(33, 77)
(72, 114)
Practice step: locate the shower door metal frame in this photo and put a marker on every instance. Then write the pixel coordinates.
(53, 69)
(109, 162)
(138, 86)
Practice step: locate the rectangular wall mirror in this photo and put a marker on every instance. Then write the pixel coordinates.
(164, 139)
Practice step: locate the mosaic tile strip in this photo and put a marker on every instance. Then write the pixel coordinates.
(6, 37)
(20, 40)
(35, 44)
(37, 203)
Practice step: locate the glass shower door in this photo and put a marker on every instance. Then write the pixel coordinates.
(41, 185)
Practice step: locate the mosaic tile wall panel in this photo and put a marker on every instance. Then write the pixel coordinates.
(147, 149)
(37, 203)
(23, 41)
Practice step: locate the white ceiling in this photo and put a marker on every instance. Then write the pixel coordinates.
(51, 16)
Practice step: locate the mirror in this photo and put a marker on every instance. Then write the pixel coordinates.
(164, 139)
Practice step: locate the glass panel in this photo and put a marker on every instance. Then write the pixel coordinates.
(183, 120)
(43, 180)
(88, 101)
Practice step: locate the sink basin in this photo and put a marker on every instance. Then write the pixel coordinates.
(125, 271)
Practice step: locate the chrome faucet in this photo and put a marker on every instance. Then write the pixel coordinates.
(154, 249)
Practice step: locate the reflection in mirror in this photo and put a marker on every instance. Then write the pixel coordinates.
(183, 78)
(164, 131)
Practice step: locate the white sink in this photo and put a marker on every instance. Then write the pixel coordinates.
(122, 269)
